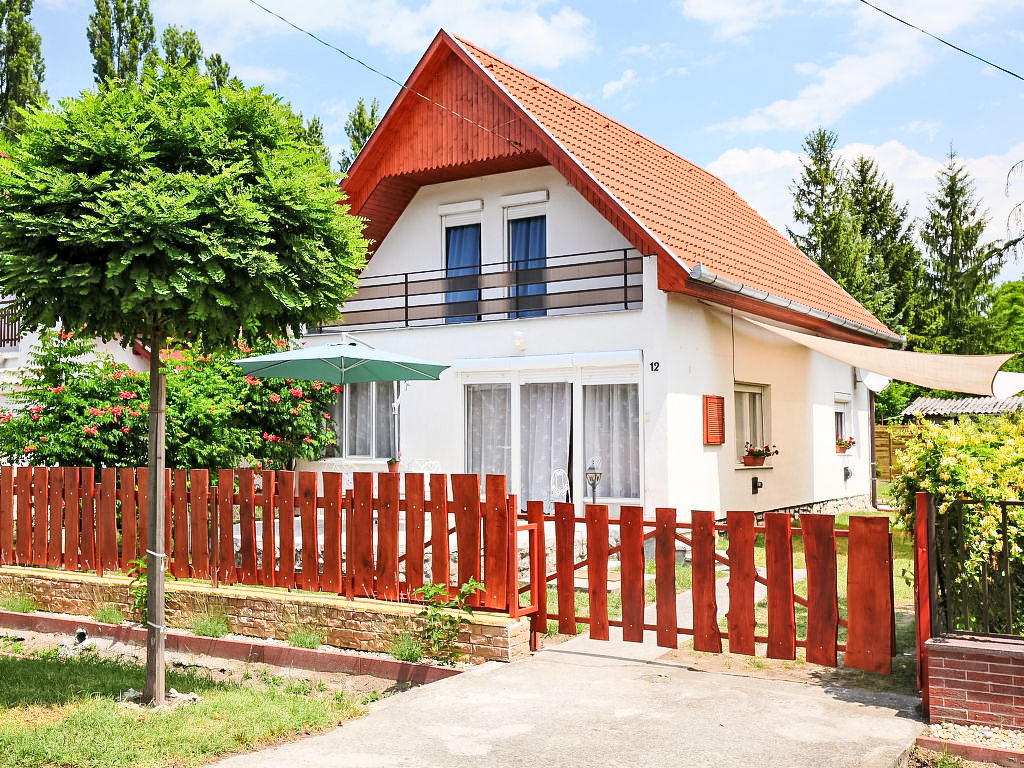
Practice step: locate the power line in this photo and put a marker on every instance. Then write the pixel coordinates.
(386, 76)
(944, 42)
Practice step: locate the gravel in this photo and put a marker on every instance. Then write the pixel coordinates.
(987, 735)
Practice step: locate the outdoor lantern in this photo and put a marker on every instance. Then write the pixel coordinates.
(594, 477)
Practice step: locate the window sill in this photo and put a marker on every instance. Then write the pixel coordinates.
(742, 467)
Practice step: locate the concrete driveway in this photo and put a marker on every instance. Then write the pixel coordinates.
(590, 703)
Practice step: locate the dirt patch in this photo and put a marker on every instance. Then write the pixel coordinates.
(926, 758)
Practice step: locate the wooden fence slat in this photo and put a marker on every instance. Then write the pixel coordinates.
(665, 577)
(142, 480)
(924, 509)
(55, 544)
(247, 523)
(706, 636)
(23, 538)
(414, 531)
(310, 544)
(360, 537)
(386, 571)
(535, 516)
(179, 494)
(199, 522)
(168, 518)
(466, 505)
(40, 488)
(6, 515)
(632, 564)
(597, 569)
(781, 611)
(869, 595)
(565, 530)
(440, 557)
(330, 579)
(106, 521)
(495, 544)
(742, 575)
(87, 531)
(226, 526)
(129, 531)
(286, 528)
(822, 595)
(72, 512)
(268, 548)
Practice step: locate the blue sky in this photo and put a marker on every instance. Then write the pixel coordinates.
(733, 85)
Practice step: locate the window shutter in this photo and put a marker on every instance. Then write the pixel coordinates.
(714, 420)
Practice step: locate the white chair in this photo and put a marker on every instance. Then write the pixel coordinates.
(560, 485)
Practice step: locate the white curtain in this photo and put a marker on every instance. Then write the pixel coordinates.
(384, 420)
(611, 415)
(359, 420)
(545, 425)
(489, 429)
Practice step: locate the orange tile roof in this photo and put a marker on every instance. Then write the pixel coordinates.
(696, 216)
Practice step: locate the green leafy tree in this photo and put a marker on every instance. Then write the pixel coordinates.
(121, 37)
(167, 208)
(218, 70)
(832, 231)
(360, 124)
(21, 63)
(1006, 322)
(960, 268)
(894, 263)
(181, 48)
(313, 133)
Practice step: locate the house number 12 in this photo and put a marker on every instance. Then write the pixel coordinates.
(655, 367)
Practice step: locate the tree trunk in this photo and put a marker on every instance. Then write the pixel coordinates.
(156, 535)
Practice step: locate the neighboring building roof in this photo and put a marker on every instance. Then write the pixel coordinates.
(662, 203)
(963, 406)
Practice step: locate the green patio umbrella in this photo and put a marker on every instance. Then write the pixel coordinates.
(344, 363)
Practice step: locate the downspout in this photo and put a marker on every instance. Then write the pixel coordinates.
(700, 274)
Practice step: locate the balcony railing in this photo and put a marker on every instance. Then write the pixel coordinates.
(572, 283)
(10, 326)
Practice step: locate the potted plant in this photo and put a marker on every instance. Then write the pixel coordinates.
(754, 456)
(394, 461)
(843, 444)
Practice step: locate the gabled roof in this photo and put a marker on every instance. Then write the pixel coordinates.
(662, 203)
(963, 406)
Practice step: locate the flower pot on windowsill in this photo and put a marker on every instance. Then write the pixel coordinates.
(842, 448)
(393, 467)
(753, 461)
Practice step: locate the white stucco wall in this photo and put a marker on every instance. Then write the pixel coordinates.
(699, 350)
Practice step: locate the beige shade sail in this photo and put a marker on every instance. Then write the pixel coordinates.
(974, 374)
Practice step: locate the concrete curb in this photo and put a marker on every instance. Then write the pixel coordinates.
(239, 650)
(979, 753)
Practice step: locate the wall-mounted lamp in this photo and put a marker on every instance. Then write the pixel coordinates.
(847, 473)
(594, 477)
(755, 485)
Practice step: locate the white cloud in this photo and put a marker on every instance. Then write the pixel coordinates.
(524, 30)
(928, 127)
(733, 18)
(885, 53)
(763, 176)
(613, 87)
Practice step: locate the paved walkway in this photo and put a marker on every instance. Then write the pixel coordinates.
(589, 703)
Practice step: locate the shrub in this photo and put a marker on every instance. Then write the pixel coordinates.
(407, 647)
(445, 616)
(304, 638)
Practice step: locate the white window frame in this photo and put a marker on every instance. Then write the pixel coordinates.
(741, 434)
(842, 402)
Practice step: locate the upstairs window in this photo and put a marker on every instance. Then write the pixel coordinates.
(462, 259)
(527, 235)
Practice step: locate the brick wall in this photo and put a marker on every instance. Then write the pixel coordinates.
(365, 625)
(973, 679)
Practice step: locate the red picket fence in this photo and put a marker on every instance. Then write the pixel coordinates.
(870, 619)
(63, 518)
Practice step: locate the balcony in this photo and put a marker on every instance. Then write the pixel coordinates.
(10, 327)
(575, 283)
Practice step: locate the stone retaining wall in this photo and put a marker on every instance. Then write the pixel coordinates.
(831, 506)
(975, 679)
(366, 625)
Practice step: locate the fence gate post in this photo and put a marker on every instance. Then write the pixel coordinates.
(925, 506)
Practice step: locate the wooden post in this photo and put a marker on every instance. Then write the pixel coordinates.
(922, 590)
(157, 534)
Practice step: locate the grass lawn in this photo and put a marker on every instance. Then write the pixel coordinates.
(64, 712)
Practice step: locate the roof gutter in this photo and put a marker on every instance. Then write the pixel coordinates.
(701, 274)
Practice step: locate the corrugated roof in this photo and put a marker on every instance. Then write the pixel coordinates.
(695, 215)
(963, 406)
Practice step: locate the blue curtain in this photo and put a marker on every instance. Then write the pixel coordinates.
(527, 249)
(462, 250)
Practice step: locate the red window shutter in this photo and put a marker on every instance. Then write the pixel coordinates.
(714, 420)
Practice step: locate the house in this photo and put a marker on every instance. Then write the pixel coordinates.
(602, 301)
(952, 408)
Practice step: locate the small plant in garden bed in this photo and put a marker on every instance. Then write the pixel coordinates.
(18, 603)
(210, 625)
(108, 614)
(305, 638)
(407, 647)
(441, 632)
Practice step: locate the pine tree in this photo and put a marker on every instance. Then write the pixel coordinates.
(1006, 322)
(822, 203)
(21, 63)
(121, 38)
(359, 126)
(894, 263)
(217, 70)
(960, 268)
(181, 47)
